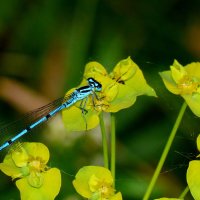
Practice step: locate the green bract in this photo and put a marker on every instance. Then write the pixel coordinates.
(193, 175)
(27, 162)
(95, 183)
(165, 198)
(198, 143)
(120, 89)
(184, 81)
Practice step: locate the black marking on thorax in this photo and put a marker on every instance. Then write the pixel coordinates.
(84, 89)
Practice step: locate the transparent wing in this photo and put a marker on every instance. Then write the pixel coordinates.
(13, 128)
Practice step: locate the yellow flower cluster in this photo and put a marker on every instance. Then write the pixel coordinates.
(26, 162)
(95, 183)
(193, 175)
(120, 89)
(184, 81)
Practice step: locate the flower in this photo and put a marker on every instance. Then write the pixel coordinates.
(165, 198)
(120, 89)
(184, 81)
(26, 162)
(95, 183)
(193, 174)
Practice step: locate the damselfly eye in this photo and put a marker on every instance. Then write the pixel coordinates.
(98, 87)
(91, 81)
(95, 84)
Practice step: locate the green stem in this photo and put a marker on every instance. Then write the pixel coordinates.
(184, 193)
(113, 147)
(104, 140)
(165, 152)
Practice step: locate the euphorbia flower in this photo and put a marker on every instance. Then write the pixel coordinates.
(193, 175)
(184, 81)
(165, 198)
(95, 183)
(26, 162)
(120, 89)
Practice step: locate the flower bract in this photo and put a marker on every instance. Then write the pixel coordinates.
(26, 162)
(165, 198)
(193, 175)
(95, 183)
(184, 81)
(120, 88)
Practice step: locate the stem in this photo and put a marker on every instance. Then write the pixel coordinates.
(184, 193)
(104, 140)
(113, 147)
(165, 152)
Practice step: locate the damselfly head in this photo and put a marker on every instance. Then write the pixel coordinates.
(94, 84)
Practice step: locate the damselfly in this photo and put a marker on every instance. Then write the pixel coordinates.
(60, 104)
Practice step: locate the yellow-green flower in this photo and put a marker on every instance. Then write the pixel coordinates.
(184, 81)
(120, 89)
(95, 183)
(193, 175)
(165, 198)
(198, 144)
(26, 162)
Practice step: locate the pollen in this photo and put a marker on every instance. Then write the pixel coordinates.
(36, 164)
(101, 187)
(106, 190)
(187, 85)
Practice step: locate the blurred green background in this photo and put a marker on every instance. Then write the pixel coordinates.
(44, 46)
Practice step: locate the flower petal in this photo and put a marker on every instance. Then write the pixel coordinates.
(165, 198)
(177, 71)
(19, 156)
(184, 81)
(81, 182)
(36, 149)
(80, 117)
(10, 168)
(198, 142)
(193, 178)
(119, 90)
(169, 82)
(193, 101)
(128, 73)
(193, 69)
(48, 190)
(125, 98)
(35, 179)
(76, 120)
(124, 70)
(122, 86)
(94, 68)
(117, 196)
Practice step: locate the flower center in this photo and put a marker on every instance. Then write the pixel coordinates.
(101, 188)
(36, 164)
(106, 190)
(36, 167)
(187, 85)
